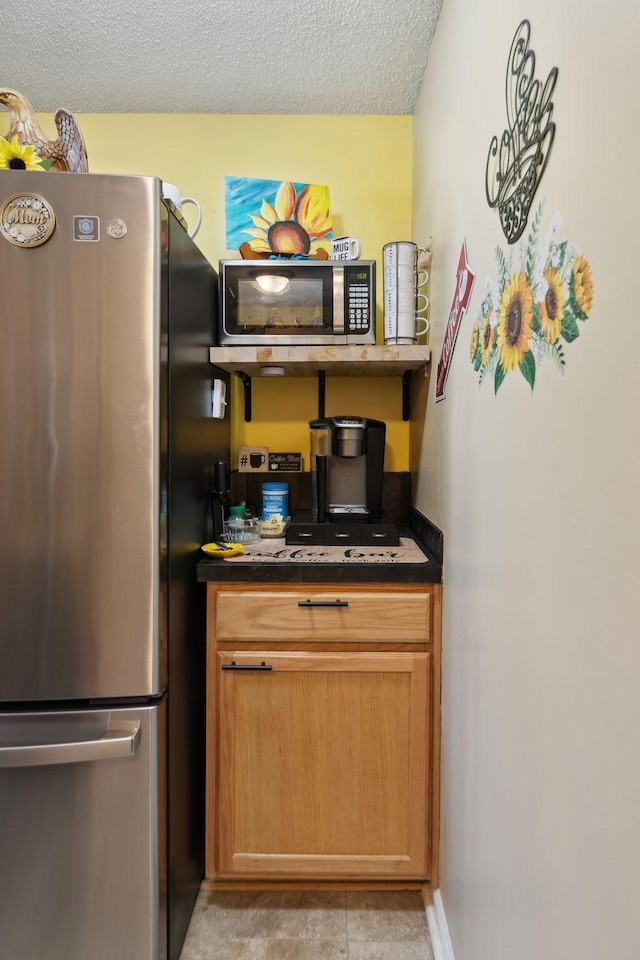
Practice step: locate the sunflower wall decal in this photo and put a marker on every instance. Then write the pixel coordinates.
(533, 308)
(281, 218)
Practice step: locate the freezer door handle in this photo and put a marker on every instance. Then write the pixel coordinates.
(120, 740)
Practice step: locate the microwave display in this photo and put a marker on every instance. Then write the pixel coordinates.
(296, 302)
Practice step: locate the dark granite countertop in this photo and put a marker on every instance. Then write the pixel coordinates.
(416, 560)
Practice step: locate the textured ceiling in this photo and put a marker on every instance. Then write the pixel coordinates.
(209, 56)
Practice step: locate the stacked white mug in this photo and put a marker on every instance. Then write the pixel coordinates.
(403, 301)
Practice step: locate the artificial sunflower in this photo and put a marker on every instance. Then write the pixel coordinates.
(515, 322)
(552, 307)
(487, 338)
(295, 224)
(582, 282)
(18, 156)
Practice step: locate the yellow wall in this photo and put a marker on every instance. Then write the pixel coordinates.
(366, 162)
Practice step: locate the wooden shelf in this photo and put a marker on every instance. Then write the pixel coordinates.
(322, 362)
(374, 361)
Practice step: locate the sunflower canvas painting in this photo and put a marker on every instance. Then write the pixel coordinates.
(278, 218)
(533, 308)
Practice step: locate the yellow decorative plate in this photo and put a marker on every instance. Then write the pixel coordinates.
(222, 549)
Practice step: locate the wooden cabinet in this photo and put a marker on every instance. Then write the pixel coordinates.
(323, 731)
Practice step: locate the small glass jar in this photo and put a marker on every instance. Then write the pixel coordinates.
(241, 527)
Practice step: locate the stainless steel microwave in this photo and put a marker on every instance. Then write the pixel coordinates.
(302, 302)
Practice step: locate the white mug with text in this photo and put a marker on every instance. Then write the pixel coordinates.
(345, 248)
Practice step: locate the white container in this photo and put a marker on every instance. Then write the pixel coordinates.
(275, 500)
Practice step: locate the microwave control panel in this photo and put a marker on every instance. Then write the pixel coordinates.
(358, 309)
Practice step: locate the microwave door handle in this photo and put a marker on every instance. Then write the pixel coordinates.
(339, 305)
(121, 740)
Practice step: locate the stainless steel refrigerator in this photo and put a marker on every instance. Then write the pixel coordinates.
(107, 447)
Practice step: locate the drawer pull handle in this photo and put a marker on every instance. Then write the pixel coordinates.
(323, 603)
(247, 666)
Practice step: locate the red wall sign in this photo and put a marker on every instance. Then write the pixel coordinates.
(465, 278)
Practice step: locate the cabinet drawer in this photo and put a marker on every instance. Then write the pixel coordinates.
(323, 613)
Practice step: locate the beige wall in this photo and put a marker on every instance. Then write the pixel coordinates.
(538, 496)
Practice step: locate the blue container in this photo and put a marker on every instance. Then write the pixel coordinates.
(275, 500)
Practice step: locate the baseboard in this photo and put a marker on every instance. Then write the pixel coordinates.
(437, 922)
(263, 885)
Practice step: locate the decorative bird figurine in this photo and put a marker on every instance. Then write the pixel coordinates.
(68, 152)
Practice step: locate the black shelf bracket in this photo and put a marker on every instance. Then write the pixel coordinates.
(246, 383)
(406, 381)
(322, 394)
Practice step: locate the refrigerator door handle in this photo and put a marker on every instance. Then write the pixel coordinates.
(120, 740)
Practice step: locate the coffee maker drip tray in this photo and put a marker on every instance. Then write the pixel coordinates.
(304, 530)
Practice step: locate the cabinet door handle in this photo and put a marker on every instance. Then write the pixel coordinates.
(247, 666)
(323, 603)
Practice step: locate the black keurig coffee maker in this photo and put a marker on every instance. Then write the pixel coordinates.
(347, 466)
(351, 489)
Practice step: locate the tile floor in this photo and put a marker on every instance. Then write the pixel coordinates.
(308, 925)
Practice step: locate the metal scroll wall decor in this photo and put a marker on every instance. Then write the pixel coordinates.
(517, 160)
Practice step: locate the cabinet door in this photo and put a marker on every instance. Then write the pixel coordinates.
(323, 762)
